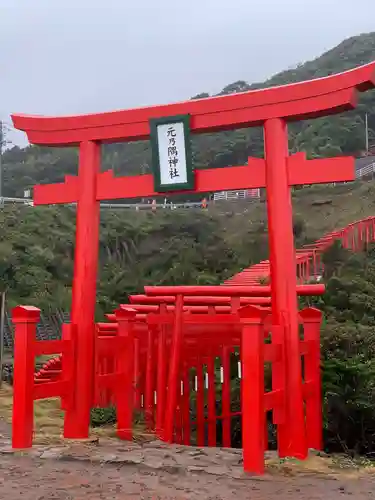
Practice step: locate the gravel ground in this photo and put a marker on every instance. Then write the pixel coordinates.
(111, 469)
(32, 479)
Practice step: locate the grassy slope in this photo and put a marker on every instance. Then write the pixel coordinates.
(322, 208)
(179, 247)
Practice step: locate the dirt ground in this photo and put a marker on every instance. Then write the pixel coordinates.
(32, 479)
(106, 468)
(110, 469)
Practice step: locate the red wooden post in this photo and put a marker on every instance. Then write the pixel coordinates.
(279, 383)
(186, 405)
(211, 401)
(161, 376)
(101, 395)
(308, 268)
(253, 409)
(200, 402)
(359, 244)
(212, 438)
(173, 376)
(178, 419)
(137, 374)
(312, 319)
(226, 398)
(124, 391)
(25, 319)
(345, 238)
(150, 378)
(68, 367)
(292, 437)
(316, 264)
(84, 288)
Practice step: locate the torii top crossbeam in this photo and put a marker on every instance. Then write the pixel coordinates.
(310, 99)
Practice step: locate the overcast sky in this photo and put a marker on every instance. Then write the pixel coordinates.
(81, 56)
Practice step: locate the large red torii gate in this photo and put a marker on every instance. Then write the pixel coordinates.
(271, 108)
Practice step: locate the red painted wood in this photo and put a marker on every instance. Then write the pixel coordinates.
(84, 290)
(186, 430)
(283, 285)
(161, 377)
(49, 347)
(211, 400)
(150, 378)
(200, 404)
(312, 319)
(109, 187)
(51, 390)
(174, 371)
(146, 299)
(25, 319)
(253, 407)
(125, 383)
(229, 290)
(226, 398)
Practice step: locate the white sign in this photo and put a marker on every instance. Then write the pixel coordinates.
(172, 154)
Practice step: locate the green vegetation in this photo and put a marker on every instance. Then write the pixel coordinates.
(168, 247)
(348, 349)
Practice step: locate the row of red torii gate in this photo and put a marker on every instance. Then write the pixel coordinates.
(171, 338)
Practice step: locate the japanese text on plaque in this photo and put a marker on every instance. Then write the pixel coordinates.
(173, 160)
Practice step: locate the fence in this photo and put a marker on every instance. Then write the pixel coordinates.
(366, 171)
(237, 195)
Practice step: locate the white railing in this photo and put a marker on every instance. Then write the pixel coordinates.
(134, 206)
(367, 170)
(237, 195)
(25, 201)
(152, 206)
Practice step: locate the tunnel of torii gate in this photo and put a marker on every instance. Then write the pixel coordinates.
(271, 108)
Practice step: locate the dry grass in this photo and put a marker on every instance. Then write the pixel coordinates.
(323, 209)
(48, 419)
(321, 464)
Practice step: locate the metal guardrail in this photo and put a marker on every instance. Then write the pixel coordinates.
(150, 206)
(134, 206)
(24, 201)
(364, 171)
(240, 194)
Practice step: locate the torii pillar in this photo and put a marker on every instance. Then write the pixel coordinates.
(271, 108)
(77, 419)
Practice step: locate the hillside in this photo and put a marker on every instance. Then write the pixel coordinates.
(343, 134)
(139, 248)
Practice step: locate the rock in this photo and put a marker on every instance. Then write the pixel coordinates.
(217, 470)
(194, 468)
(7, 450)
(52, 453)
(197, 453)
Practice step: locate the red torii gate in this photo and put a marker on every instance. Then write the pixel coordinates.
(271, 108)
